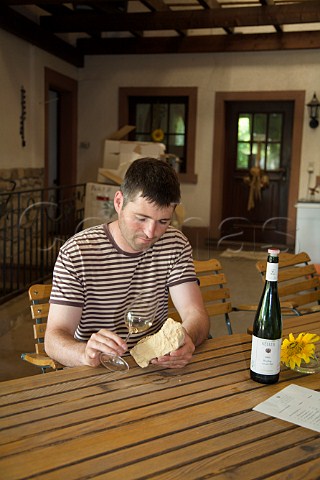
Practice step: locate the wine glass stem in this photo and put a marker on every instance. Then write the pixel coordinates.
(127, 337)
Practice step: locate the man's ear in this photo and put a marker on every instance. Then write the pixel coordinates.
(118, 201)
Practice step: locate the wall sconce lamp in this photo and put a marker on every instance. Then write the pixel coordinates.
(314, 107)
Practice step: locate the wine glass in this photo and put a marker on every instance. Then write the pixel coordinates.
(138, 317)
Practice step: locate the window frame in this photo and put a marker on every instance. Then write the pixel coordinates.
(191, 93)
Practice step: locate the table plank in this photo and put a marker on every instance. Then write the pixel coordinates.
(254, 460)
(309, 470)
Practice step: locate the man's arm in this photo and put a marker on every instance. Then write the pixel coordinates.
(188, 301)
(61, 345)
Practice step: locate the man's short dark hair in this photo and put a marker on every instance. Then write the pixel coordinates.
(154, 180)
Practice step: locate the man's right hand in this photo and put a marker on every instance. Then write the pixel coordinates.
(103, 341)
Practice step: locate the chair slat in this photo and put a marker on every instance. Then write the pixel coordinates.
(295, 287)
(296, 272)
(39, 292)
(39, 310)
(39, 330)
(211, 265)
(218, 279)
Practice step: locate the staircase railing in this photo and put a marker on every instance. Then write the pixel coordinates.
(33, 226)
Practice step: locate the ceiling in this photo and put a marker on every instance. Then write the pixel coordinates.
(72, 30)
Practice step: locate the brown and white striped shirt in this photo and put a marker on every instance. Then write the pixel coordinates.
(93, 273)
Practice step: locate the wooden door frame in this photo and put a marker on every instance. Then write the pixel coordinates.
(68, 90)
(217, 181)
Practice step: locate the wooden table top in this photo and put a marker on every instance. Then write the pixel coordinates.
(192, 423)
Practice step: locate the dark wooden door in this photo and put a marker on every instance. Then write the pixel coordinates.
(257, 171)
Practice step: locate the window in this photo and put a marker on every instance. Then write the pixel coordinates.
(259, 140)
(171, 110)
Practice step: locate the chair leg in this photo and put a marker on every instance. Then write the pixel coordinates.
(228, 323)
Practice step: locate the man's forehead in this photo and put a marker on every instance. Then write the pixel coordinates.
(145, 207)
(141, 200)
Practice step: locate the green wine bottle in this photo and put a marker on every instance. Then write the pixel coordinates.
(267, 327)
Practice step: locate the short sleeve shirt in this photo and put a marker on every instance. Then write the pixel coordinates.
(93, 273)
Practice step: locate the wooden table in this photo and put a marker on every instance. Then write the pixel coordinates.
(194, 423)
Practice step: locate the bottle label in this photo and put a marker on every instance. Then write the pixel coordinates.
(265, 356)
(272, 272)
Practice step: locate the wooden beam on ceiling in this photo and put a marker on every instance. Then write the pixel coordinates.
(307, 12)
(277, 27)
(202, 44)
(209, 4)
(27, 30)
(160, 6)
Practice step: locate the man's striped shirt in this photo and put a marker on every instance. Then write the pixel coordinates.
(93, 273)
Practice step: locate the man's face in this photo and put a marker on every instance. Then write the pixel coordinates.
(141, 223)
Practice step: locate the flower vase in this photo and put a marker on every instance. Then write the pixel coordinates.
(312, 367)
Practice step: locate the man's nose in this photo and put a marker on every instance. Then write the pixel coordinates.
(150, 228)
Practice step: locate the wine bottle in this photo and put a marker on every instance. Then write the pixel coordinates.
(267, 327)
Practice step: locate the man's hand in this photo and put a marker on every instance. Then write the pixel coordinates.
(179, 358)
(103, 341)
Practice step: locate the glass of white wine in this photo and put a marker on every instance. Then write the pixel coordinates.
(138, 317)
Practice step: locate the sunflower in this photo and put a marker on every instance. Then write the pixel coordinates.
(157, 135)
(294, 350)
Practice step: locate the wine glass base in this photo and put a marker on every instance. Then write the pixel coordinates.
(113, 362)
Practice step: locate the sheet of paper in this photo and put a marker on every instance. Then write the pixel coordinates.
(294, 404)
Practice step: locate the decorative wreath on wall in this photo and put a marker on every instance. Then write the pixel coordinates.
(157, 135)
(256, 180)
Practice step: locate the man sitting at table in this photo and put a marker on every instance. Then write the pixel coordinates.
(100, 270)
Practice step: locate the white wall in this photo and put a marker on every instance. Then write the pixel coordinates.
(100, 79)
(22, 64)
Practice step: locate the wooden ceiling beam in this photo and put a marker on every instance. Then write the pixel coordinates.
(277, 27)
(306, 12)
(24, 28)
(209, 4)
(202, 44)
(160, 6)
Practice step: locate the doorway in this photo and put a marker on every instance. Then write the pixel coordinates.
(271, 219)
(257, 170)
(60, 129)
(60, 152)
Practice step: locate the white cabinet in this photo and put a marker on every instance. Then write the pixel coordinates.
(308, 229)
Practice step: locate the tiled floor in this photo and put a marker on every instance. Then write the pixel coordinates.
(16, 325)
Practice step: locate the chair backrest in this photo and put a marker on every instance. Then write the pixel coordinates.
(298, 282)
(214, 290)
(39, 299)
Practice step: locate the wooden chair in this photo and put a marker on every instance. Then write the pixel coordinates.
(215, 293)
(39, 298)
(298, 283)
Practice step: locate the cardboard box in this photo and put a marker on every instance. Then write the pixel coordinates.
(99, 207)
(119, 154)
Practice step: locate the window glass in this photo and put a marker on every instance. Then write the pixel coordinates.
(243, 155)
(275, 127)
(273, 162)
(143, 117)
(159, 116)
(244, 127)
(260, 127)
(261, 144)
